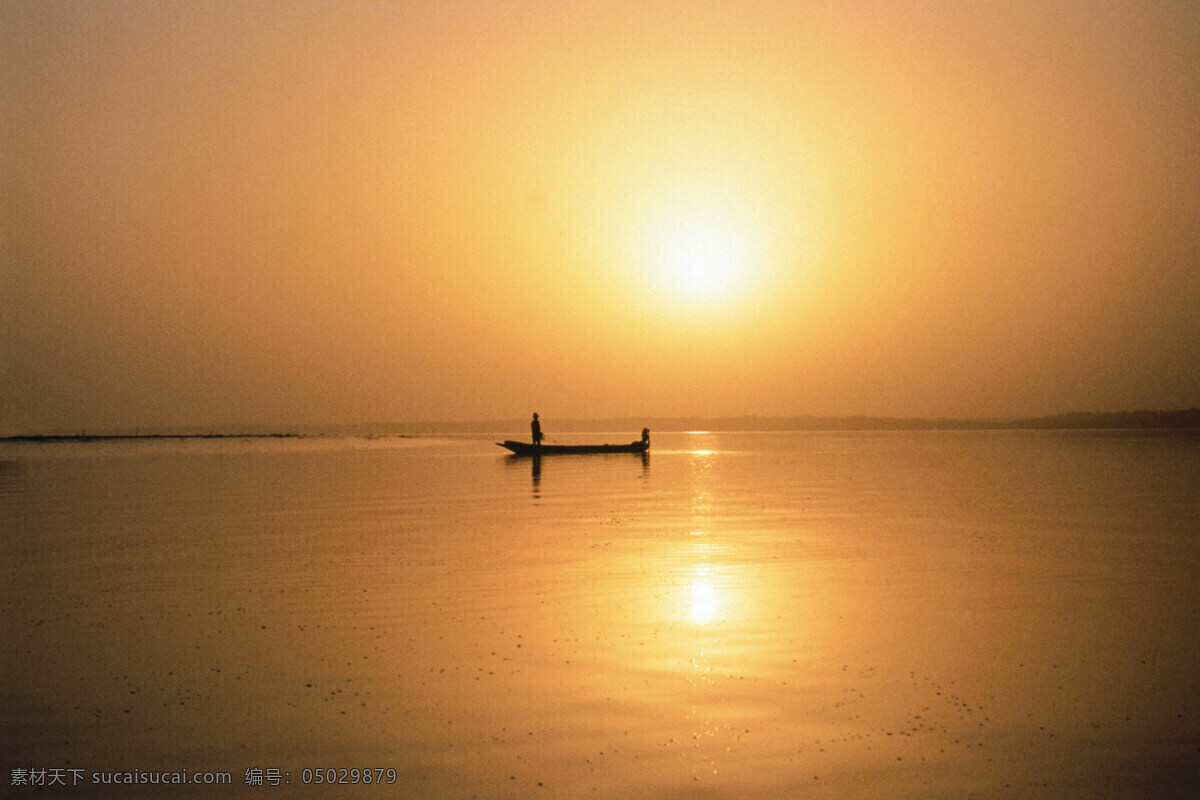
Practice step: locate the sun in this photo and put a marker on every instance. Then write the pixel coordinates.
(699, 256)
(699, 260)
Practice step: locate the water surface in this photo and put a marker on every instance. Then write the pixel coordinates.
(917, 614)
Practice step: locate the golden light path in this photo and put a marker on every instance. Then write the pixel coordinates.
(705, 600)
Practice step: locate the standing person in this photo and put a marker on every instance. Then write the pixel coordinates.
(535, 428)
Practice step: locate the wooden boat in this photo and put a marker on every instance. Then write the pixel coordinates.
(527, 449)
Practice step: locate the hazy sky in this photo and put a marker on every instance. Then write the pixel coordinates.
(343, 212)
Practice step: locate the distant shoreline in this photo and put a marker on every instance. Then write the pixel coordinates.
(118, 437)
(1184, 419)
(100, 437)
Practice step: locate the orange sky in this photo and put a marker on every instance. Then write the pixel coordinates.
(342, 212)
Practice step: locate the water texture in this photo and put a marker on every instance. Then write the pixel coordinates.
(915, 614)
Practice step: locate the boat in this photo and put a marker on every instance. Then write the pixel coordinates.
(527, 449)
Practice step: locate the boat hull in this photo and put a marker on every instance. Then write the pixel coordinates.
(527, 449)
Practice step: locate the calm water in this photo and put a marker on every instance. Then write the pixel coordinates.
(967, 614)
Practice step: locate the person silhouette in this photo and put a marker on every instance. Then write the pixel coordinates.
(646, 437)
(535, 428)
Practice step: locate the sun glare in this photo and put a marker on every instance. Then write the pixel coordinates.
(699, 257)
(700, 261)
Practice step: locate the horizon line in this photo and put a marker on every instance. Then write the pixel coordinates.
(1184, 418)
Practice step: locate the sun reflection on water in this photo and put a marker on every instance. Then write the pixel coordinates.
(705, 598)
(705, 601)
